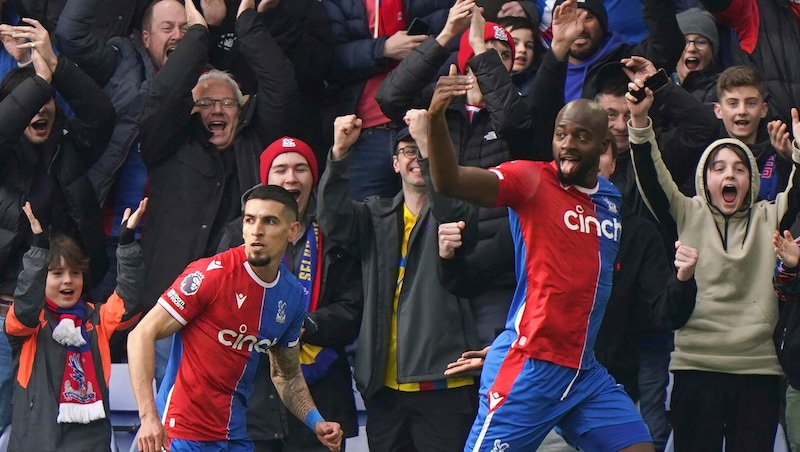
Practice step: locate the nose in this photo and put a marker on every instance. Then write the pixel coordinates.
(729, 173)
(742, 108)
(567, 142)
(257, 230)
(177, 34)
(619, 124)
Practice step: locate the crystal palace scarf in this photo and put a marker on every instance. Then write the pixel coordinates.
(80, 401)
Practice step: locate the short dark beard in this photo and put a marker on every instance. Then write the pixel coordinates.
(586, 54)
(584, 167)
(259, 262)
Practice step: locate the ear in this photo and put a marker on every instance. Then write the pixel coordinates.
(395, 164)
(717, 110)
(764, 110)
(294, 231)
(146, 39)
(613, 166)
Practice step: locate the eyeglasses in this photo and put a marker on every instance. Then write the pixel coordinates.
(409, 151)
(207, 102)
(700, 44)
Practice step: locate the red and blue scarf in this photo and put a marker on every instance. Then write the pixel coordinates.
(80, 400)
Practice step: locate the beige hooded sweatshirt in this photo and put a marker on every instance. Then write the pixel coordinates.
(730, 329)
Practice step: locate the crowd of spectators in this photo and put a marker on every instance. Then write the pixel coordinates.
(151, 121)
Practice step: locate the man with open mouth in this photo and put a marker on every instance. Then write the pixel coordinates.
(125, 67)
(44, 158)
(200, 142)
(541, 371)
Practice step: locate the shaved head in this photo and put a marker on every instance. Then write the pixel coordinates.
(586, 112)
(579, 139)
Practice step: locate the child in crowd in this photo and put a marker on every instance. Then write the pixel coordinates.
(527, 51)
(61, 342)
(742, 107)
(726, 372)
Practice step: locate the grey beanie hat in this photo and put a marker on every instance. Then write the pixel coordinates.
(698, 21)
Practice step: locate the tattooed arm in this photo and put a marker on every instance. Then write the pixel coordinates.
(293, 391)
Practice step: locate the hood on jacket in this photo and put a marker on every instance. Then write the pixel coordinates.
(576, 73)
(755, 174)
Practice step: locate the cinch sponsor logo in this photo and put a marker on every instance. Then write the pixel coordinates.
(240, 340)
(575, 220)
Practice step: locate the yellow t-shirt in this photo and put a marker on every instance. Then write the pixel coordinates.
(409, 221)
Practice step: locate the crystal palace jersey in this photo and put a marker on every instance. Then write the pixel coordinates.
(230, 318)
(566, 241)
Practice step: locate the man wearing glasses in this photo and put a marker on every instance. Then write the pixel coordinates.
(201, 141)
(411, 324)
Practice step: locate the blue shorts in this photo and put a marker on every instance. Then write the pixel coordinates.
(522, 399)
(184, 445)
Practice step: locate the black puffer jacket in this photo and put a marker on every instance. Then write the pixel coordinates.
(702, 84)
(71, 207)
(186, 172)
(116, 18)
(121, 66)
(302, 30)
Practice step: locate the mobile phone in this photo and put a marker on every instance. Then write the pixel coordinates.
(418, 27)
(655, 82)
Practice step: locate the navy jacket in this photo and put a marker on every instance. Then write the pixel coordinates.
(357, 56)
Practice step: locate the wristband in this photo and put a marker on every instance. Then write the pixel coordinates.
(126, 235)
(40, 240)
(313, 417)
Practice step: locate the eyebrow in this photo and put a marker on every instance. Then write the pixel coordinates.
(286, 165)
(575, 130)
(737, 162)
(263, 217)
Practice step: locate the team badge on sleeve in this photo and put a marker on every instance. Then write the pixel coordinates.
(281, 316)
(191, 283)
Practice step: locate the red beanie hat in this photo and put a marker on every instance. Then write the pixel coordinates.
(490, 31)
(282, 146)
